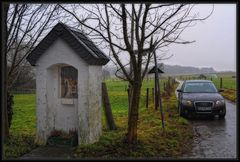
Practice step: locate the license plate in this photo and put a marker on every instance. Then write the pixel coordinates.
(204, 108)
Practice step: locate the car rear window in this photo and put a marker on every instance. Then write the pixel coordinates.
(199, 87)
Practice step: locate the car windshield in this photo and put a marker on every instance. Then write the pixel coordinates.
(199, 87)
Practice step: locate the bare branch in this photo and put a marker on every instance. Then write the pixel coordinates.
(84, 24)
(112, 48)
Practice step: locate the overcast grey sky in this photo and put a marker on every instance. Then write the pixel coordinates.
(215, 38)
(215, 44)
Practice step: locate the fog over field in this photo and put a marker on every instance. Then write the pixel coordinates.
(215, 41)
(215, 44)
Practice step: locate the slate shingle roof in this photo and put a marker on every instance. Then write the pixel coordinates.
(80, 43)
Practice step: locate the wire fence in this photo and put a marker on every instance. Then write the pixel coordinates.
(225, 83)
(222, 82)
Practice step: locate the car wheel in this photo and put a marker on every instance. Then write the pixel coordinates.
(180, 110)
(222, 116)
(212, 116)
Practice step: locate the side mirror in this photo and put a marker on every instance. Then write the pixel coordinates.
(220, 90)
(179, 90)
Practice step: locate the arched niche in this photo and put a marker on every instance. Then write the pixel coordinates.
(62, 97)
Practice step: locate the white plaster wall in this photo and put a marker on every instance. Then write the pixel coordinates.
(83, 106)
(60, 116)
(41, 112)
(95, 101)
(85, 114)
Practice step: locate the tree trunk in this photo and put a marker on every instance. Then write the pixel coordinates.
(133, 116)
(3, 75)
(130, 92)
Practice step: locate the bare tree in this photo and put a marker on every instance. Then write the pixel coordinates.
(134, 31)
(26, 25)
(23, 26)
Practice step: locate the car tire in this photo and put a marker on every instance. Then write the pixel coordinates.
(222, 116)
(212, 116)
(180, 110)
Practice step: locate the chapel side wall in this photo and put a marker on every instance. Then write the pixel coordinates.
(83, 106)
(41, 108)
(95, 102)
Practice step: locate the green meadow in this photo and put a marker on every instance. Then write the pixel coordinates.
(229, 84)
(154, 141)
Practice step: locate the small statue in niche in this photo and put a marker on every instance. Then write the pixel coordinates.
(69, 82)
(67, 88)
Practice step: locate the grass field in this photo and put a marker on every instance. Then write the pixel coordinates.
(229, 84)
(154, 141)
(23, 127)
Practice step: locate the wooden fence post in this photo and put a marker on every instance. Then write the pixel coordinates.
(156, 96)
(107, 108)
(168, 80)
(147, 99)
(220, 83)
(153, 94)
